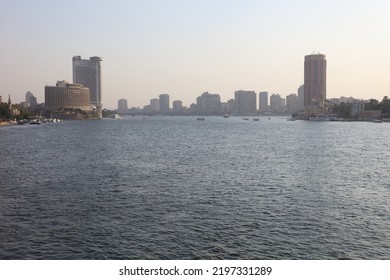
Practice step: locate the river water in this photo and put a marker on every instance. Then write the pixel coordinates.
(178, 188)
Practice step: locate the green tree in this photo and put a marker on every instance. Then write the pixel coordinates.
(385, 106)
(5, 112)
(373, 104)
(342, 110)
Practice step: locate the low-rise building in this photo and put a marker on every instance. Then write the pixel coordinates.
(67, 96)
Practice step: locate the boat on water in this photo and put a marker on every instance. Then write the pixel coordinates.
(117, 117)
(200, 119)
(35, 121)
(377, 121)
(291, 119)
(245, 119)
(226, 115)
(256, 119)
(323, 118)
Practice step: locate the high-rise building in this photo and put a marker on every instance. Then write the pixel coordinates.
(263, 102)
(291, 103)
(301, 98)
(277, 104)
(208, 104)
(246, 102)
(155, 105)
(177, 106)
(65, 95)
(164, 103)
(31, 100)
(87, 72)
(122, 106)
(315, 81)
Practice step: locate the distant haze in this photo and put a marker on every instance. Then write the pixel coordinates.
(185, 48)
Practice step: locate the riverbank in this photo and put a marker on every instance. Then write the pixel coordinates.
(4, 123)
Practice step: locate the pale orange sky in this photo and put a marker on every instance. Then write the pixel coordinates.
(185, 48)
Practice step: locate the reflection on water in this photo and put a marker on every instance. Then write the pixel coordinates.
(177, 188)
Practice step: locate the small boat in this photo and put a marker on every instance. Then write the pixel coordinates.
(35, 121)
(117, 117)
(21, 122)
(377, 121)
(200, 119)
(226, 115)
(245, 119)
(256, 119)
(291, 119)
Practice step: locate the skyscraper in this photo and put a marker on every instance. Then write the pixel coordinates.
(87, 72)
(315, 81)
(31, 100)
(164, 103)
(122, 106)
(263, 102)
(292, 103)
(301, 98)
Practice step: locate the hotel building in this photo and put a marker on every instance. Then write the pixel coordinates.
(65, 95)
(87, 72)
(315, 81)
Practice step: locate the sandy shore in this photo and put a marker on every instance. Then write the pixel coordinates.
(2, 123)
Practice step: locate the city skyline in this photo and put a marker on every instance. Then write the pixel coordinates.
(184, 49)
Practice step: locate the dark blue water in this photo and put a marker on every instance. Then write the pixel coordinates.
(177, 188)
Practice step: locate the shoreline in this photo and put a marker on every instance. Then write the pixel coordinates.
(6, 123)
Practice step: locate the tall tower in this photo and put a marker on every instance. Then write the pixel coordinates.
(315, 81)
(87, 72)
(263, 102)
(164, 103)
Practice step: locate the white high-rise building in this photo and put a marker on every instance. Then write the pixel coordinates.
(87, 72)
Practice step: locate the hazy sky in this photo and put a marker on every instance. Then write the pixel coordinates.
(185, 48)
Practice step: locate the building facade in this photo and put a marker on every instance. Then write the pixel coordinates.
(301, 98)
(315, 81)
(245, 102)
(67, 96)
(263, 102)
(155, 105)
(208, 104)
(164, 103)
(292, 104)
(31, 100)
(277, 104)
(122, 106)
(87, 72)
(177, 106)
